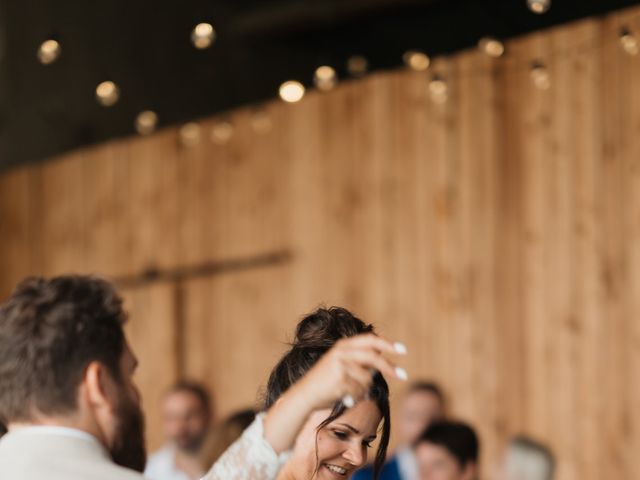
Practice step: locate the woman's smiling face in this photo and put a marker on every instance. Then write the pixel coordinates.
(337, 449)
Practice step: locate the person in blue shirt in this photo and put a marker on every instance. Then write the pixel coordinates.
(423, 404)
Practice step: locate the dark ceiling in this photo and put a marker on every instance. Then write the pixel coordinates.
(145, 48)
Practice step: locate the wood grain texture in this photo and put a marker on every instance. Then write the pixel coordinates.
(497, 235)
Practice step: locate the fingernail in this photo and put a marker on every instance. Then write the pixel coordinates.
(348, 401)
(400, 348)
(401, 373)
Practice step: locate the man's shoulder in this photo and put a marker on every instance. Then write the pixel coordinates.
(22, 469)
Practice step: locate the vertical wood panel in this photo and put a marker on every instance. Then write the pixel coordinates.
(496, 234)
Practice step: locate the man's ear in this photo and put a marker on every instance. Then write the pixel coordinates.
(96, 385)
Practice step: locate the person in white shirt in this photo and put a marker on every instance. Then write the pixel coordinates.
(66, 388)
(187, 417)
(526, 459)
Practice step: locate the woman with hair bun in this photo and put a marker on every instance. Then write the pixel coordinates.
(326, 401)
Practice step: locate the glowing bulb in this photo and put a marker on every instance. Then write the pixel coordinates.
(146, 122)
(190, 134)
(291, 91)
(629, 42)
(49, 52)
(325, 78)
(107, 93)
(203, 35)
(438, 89)
(539, 6)
(221, 133)
(416, 60)
(491, 46)
(357, 65)
(540, 76)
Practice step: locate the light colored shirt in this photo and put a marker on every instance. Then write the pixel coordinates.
(407, 463)
(57, 453)
(162, 466)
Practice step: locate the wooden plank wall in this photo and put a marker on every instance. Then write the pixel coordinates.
(497, 234)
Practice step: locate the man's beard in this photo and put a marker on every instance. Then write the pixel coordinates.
(191, 444)
(129, 445)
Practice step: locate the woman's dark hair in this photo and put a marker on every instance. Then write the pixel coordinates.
(315, 335)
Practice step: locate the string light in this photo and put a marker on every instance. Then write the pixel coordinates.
(539, 6)
(49, 51)
(291, 91)
(222, 132)
(540, 76)
(325, 78)
(146, 122)
(190, 134)
(438, 89)
(107, 93)
(357, 65)
(491, 46)
(416, 60)
(203, 36)
(629, 42)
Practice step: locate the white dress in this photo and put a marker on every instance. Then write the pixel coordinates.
(249, 458)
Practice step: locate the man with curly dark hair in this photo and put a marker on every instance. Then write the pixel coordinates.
(66, 389)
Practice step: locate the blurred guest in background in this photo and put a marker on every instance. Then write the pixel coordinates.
(526, 459)
(225, 434)
(187, 419)
(447, 451)
(3, 429)
(423, 404)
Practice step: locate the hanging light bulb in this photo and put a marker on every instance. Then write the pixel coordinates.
(540, 76)
(629, 42)
(491, 46)
(222, 132)
(49, 51)
(190, 134)
(146, 122)
(539, 6)
(416, 60)
(203, 36)
(107, 93)
(291, 91)
(325, 78)
(438, 89)
(357, 65)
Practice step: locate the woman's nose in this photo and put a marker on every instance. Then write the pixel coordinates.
(355, 455)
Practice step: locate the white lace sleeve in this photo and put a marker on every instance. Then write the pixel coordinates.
(249, 458)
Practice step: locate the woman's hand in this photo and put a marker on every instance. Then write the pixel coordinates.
(344, 372)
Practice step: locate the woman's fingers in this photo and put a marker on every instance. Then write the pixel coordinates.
(373, 360)
(369, 340)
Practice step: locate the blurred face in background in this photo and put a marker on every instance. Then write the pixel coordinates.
(186, 420)
(435, 462)
(419, 409)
